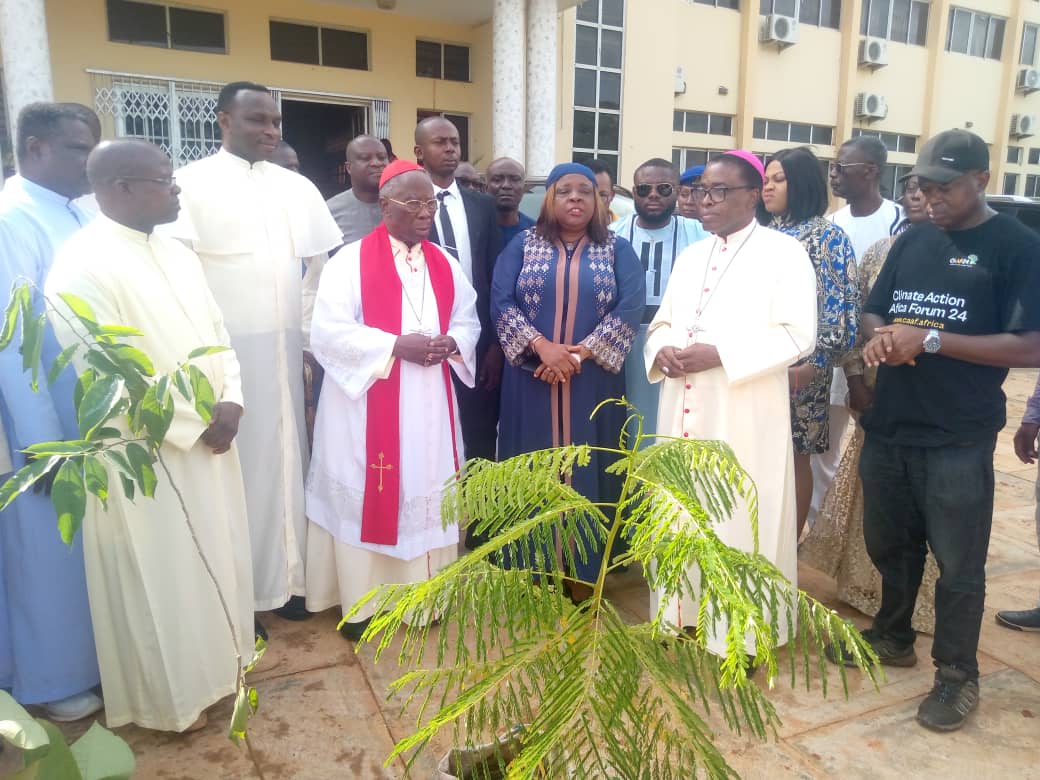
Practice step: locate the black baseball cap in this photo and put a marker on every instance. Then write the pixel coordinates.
(950, 154)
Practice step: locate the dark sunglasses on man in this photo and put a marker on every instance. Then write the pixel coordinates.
(664, 189)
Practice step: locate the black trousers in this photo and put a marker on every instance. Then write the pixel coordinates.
(937, 497)
(478, 414)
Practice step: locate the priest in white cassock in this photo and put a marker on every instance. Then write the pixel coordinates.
(739, 309)
(394, 317)
(253, 224)
(164, 647)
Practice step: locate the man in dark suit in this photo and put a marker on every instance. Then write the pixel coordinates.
(466, 225)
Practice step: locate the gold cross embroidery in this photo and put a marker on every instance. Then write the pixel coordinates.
(381, 468)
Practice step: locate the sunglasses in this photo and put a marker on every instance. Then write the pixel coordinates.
(665, 190)
(840, 167)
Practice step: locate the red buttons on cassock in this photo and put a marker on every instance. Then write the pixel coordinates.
(686, 435)
(685, 411)
(689, 387)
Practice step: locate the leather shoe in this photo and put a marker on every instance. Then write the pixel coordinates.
(1023, 620)
(294, 609)
(353, 631)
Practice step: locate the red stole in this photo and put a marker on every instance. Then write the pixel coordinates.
(381, 297)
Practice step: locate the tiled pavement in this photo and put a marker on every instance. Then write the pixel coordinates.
(324, 713)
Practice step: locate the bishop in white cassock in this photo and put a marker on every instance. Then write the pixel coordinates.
(394, 315)
(253, 225)
(164, 646)
(739, 309)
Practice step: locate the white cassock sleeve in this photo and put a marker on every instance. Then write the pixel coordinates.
(311, 278)
(789, 333)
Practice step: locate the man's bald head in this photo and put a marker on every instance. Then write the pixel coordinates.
(366, 159)
(133, 182)
(437, 148)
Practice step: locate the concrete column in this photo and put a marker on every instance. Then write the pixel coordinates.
(542, 58)
(507, 79)
(27, 56)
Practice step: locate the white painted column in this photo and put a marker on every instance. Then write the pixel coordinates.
(27, 57)
(542, 61)
(507, 79)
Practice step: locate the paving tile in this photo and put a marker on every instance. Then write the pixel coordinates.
(999, 741)
(298, 646)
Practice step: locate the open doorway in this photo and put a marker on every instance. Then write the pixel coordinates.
(320, 133)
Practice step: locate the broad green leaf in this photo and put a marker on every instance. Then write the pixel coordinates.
(128, 486)
(258, 653)
(202, 390)
(61, 362)
(162, 389)
(98, 403)
(141, 462)
(105, 432)
(86, 379)
(245, 707)
(180, 378)
(81, 309)
(132, 358)
(65, 449)
(19, 727)
(23, 479)
(201, 351)
(101, 755)
(117, 330)
(69, 496)
(14, 307)
(154, 417)
(103, 363)
(96, 478)
(33, 329)
(54, 762)
(120, 460)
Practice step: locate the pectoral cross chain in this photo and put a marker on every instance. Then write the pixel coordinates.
(381, 468)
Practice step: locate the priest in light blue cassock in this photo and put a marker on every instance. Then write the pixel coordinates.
(47, 654)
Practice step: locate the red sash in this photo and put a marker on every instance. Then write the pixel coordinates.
(381, 296)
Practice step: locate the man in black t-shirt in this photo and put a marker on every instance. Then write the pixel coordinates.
(955, 306)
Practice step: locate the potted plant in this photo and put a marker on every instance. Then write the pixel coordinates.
(576, 690)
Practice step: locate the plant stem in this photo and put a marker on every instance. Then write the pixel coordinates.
(240, 675)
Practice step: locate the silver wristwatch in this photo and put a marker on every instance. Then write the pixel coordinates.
(932, 342)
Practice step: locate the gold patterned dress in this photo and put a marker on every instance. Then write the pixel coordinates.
(835, 545)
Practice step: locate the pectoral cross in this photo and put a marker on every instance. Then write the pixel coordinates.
(381, 468)
(693, 331)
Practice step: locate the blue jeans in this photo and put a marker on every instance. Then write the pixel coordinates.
(938, 497)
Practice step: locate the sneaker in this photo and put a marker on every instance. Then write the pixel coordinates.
(73, 708)
(889, 651)
(953, 696)
(1024, 620)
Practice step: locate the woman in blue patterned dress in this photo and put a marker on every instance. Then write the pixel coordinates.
(795, 197)
(566, 299)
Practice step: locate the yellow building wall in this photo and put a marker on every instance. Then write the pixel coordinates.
(902, 83)
(79, 40)
(705, 41)
(968, 90)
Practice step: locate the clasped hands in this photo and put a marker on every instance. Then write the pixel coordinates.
(424, 350)
(675, 362)
(894, 345)
(559, 361)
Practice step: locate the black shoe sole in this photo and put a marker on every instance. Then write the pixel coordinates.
(352, 631)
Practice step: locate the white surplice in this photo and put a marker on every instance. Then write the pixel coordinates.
(163, 644)
(253, 227)
(342, 568)
(753, 296)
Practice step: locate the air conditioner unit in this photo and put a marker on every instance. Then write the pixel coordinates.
(1028, 80)
(870, 105)
(1023, 125)
(779, 29)
(680, 80)
(873, 52)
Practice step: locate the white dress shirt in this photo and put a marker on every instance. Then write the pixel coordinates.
(457, 213)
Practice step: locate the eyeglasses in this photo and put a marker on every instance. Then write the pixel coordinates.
(839, 167)
(166, 181)
(664, 189)
(717, 194)
(416, 206)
